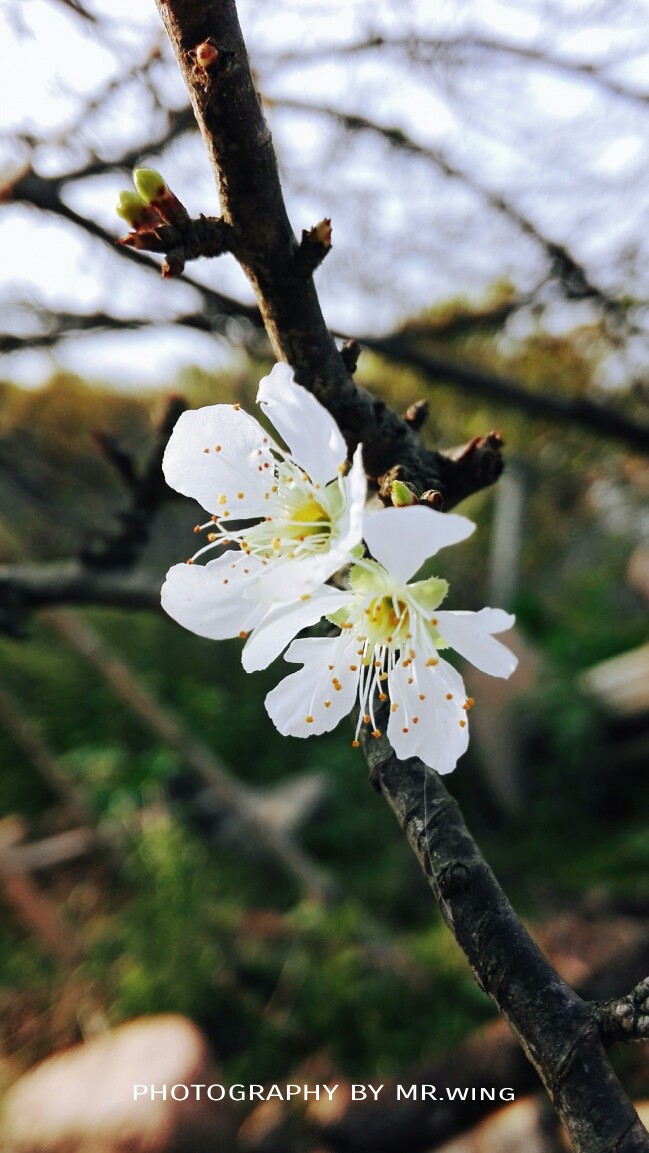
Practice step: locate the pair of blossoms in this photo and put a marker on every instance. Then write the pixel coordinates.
(284, 521)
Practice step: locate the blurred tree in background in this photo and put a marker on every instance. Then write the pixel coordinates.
(484, 171)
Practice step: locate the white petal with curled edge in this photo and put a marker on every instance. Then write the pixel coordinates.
(283, 622)
(320, 692)
(220, 451)
(196, 597)
(401, 539)
(311, 433)
(470, 634)
(355, 490)
(440, 734)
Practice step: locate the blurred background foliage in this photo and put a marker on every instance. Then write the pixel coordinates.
(187, 919)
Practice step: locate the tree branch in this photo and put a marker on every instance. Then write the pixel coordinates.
(239, 147)
(625, 1018)
(572, 276)
(601, 419)
(426, 51)
(558, 1031)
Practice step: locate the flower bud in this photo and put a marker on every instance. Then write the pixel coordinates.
(206, 54)
(402, 494)
(131, 207)
(150, 184)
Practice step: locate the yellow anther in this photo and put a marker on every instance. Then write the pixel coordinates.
(217, 447)
(415, 720)
(394, 707)
(355, 744)
(431, 662)
(305, 597)
(212, 536)
(462, 724)
(223, 498)
(243, 635)
(206, 450)
(240, 495)
(327, 704)
(366, 719)
(309, 720)
(353, 668)
(449, 696)
(376, 733)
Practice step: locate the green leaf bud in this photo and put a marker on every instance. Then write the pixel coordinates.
(131, 207)
(150, 184)
(402, 494)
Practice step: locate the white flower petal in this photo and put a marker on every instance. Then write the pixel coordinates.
(440, 734)
(210, 599)
(288, 578)
(283, 622)
(403, 538)
(311, 433)
(221, 452)
(317, 697)
(350, 529)
(470, 635)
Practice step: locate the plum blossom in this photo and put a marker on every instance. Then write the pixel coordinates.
(282, 519)
(392, 635)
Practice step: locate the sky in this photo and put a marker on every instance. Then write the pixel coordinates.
(571, 156)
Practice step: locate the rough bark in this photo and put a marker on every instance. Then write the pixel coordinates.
(240, 149)
(558, 1031)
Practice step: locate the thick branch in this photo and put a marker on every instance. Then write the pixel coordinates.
(239, 146)
(26, 587)
(558, 1031)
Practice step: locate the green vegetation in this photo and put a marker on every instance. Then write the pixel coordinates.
(192, 924)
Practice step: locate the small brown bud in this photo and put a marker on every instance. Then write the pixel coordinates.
(206, 55)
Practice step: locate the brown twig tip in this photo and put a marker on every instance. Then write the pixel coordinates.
(433, 498)
(625, 1018)
(350, 353)
(314, 245)
(416, 414)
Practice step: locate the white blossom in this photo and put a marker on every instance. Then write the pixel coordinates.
(283, 519)
(388, 649)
